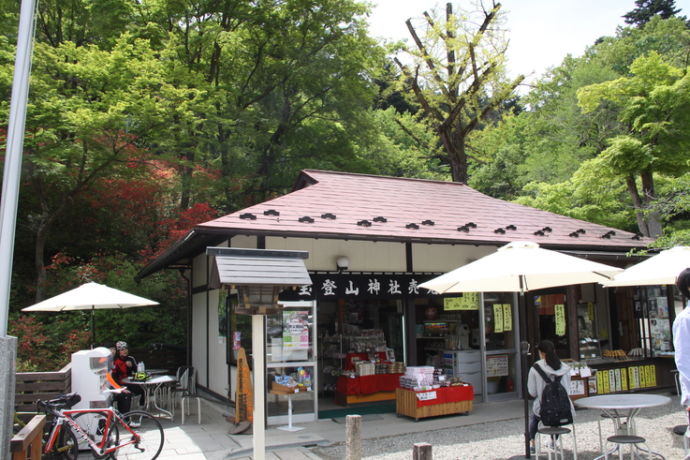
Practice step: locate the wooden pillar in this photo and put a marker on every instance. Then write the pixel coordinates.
(421, 451)
(353, 437)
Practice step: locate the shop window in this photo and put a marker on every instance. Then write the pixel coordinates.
(652, 313)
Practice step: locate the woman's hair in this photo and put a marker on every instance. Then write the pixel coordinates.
(552, 359)
(683, 283)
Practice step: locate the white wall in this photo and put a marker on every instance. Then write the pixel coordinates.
(242, 241)
(218, 370)
(445, 257)
(199, 335)
(199, 265)
(363, 255)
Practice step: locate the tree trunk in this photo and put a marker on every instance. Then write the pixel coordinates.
(651, 215)
(648, 220)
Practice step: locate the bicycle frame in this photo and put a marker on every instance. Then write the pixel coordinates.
(100, 447)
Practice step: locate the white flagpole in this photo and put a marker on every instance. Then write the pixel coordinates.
(13, 156)
(8, 214)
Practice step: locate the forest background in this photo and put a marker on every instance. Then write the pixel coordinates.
(146, 118)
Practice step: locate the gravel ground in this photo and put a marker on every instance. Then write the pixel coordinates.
(502, 440)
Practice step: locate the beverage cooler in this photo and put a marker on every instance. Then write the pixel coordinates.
(89, 369)
(466, 365)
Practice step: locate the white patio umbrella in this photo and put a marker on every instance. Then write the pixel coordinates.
(521, 266)
(660, 269)
(91, 296)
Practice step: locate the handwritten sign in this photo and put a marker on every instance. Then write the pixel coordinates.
(496, 365)
(498, 318)
(559, 313)
(507, 317)
(469, 301)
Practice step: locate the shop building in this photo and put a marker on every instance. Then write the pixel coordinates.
(371, 241)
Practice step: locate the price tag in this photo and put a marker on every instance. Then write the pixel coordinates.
(426, 396)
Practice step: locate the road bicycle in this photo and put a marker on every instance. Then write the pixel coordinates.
(106, 432)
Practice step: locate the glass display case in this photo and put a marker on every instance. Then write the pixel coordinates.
(588, 342)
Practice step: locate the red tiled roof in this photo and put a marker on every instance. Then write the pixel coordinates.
(391, 208)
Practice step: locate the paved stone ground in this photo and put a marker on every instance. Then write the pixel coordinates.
(503, 439)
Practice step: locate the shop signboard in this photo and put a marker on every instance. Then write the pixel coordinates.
(361, 286)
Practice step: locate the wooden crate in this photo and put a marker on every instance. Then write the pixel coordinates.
(406, 404)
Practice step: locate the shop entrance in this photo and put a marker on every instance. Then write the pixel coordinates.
(362, 348)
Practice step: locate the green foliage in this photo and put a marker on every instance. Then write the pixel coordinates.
(590, 195)
(646, 9)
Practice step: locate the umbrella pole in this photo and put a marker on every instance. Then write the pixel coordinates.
(524, 353)
(93, 328)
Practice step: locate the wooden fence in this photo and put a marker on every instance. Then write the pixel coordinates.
(40, 385)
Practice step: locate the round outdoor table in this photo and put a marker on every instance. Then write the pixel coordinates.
(623, 407)
(156, 371)
(151, 389)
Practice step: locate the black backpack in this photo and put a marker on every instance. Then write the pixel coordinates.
(555, 402)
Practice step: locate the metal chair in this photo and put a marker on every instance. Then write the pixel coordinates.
(190, 393)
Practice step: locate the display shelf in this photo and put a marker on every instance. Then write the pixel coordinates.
(440, 401)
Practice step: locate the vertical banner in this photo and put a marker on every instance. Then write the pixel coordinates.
(643, 378)
(617, 375)
(507, 317)
(498, 318)
(652, 375)
(559, 317)
(624, 379)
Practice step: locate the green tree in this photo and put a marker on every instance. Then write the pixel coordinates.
(82, 103)
(458, 78)
(646, 9)
(655, 108)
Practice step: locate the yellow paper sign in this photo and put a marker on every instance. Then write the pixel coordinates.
(507, 317)
(469, 301)
(498, 317)
(559, 313)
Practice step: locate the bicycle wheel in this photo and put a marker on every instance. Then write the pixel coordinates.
(66, 446)
(151, 436)
(93, 423)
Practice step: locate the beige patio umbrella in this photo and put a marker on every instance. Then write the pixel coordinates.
(521, 266)
(660, 269)
(91, 296)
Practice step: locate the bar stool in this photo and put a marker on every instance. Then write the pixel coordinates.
(555, 447)
(681, 430)
(621, 440)
(617, 426)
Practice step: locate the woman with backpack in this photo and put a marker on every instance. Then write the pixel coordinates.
(549, 367)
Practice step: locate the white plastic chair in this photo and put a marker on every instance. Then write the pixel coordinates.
(190, 393)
